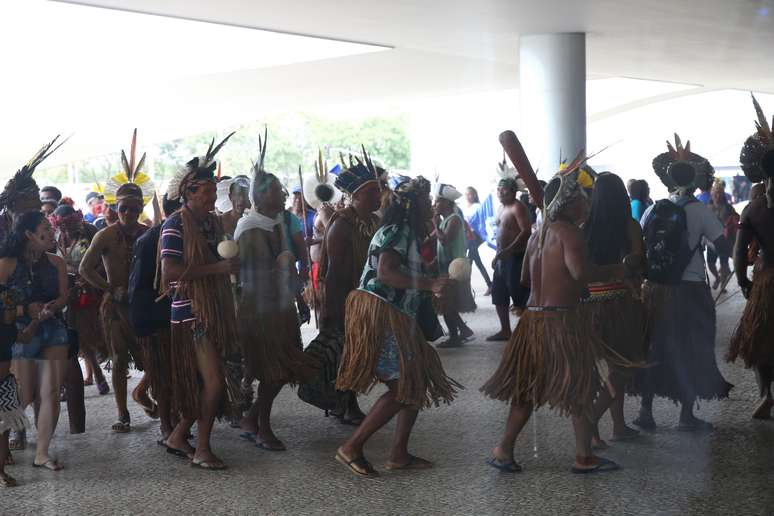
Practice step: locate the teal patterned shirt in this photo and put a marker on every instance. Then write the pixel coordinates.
(403, 242)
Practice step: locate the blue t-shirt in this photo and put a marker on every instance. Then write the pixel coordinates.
(638, 208)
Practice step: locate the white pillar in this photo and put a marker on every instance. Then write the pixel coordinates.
(552, 77)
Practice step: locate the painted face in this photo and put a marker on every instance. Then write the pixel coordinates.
(129, 210)
(42, 239)
(97, 206)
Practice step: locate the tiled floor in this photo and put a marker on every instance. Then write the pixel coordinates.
(729, 471)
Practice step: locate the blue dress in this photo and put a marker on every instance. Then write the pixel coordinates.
(38, 284)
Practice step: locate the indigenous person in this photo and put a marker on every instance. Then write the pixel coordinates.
(679, 305)
(752, 340)
(95, 203)
(343, 255)
(383, 342)
(513, 231)
(129, 190)
(41, 278)
(296, 243)
(49, 199)
(20, 196)
(239, 199)
(551, 357)
(729, 219)
(73, 237)
(614, 307)
(203, 324)
(474, 240)
(150, 314)
(449, 231)
(267, 320)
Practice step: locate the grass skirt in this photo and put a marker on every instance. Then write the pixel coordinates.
(681, 341)
(369, 320)
(118, 332)
(185, 384)
(753, 340)
(618, 319)
(271, 346)
(551, 359)
(157, 351)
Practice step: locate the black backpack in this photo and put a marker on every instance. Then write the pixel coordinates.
(667, 250)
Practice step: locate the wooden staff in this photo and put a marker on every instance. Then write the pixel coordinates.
(306, 245)
(514, 150)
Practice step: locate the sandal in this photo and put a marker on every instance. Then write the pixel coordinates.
(18, 441)
(359, 466)
(509, 466)
(50, 464)
(413, 463)
(122, 426)
(214, 465)
(275, 446)
(602, 466)
(7, 480)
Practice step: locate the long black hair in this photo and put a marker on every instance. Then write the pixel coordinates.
(475, 194)
(403, 210)
(607, 226)
(640, 190)
(16, 241)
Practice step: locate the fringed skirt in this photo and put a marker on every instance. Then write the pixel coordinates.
(458, 298)
(185, 383)
(370, 323)
(681, 344)
(326, 350)
(753, 340)
(84, 317)
(118, 331)
(12, 415)
(271, 345)
(157, 358)
(618, 318)
(553, 358)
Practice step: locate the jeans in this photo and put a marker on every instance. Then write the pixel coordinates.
(473, 255)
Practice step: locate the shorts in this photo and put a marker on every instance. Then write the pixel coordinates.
(506, 283)
(51, 333)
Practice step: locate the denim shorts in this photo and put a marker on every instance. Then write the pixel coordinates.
(51, 333)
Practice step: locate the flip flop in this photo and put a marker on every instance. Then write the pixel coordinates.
(413, 463)
(121, 427)
(249, 436)
(510, 466)
(274, 446)
(359, 466)
(203, 464)
(50, 464)
(603, 466)
(7, 480)
(179, 453)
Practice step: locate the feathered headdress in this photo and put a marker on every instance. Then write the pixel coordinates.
(757, 156)
(573, 180)
(22, 184)
(359, 173)
(681, 170)
(197, 170)
(261, 179)
(509, 177)
(321, 188)
(130, 175)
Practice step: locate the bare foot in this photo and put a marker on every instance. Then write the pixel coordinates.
(211, 460)
(598, 443)
(180, 445)
(593, 464)
(763, 411)
(502, 455)
(266, 439)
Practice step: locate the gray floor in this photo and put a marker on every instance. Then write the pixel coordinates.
(730, 471)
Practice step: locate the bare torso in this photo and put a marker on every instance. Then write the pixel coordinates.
(761, 219)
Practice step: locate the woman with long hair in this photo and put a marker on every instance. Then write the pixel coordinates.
(614, 307)
(41, 277)
(474, 240)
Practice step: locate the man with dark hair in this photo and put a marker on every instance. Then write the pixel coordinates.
(95, 203)
(513, 230)
(551, 358)
(150, 318)
(49, 199)
(113, 245)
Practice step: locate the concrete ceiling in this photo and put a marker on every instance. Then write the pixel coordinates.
(439, 47)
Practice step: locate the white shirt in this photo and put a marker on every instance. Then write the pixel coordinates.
(469, 211)
(702, 224)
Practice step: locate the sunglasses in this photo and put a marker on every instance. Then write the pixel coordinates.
(129, 209)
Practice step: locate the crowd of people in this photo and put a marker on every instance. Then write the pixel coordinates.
(207, 298)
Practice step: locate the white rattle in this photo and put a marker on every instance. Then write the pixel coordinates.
(227, 250)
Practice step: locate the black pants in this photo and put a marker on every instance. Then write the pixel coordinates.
(473, 255)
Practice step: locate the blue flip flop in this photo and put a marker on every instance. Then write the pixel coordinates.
(248, 436)
(603, 466)
(504, 466)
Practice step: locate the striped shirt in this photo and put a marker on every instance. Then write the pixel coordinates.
(172, 248)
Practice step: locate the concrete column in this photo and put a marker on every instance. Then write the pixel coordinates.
(552, 77)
